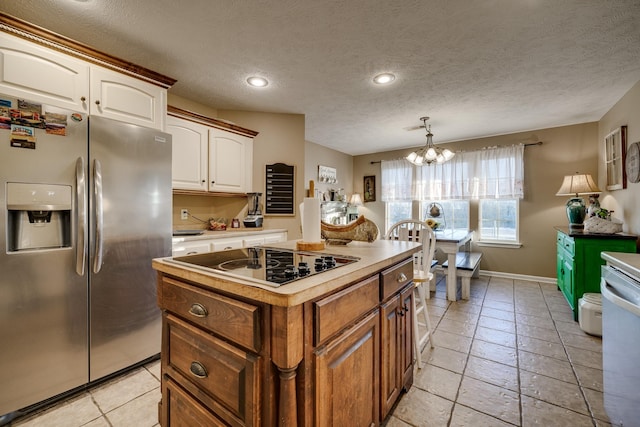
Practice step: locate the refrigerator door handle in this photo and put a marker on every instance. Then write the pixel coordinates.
(81, 236)
(97, 182)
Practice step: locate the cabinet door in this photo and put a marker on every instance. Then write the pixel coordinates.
(189, 151)
(406, 357)
(121, 97)
(39, 74)
(390, 345)
(397, 347)
(347, 377)
(179, 409)
(230, 161)
(566, 279)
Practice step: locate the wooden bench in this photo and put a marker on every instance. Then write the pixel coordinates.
(467, 264)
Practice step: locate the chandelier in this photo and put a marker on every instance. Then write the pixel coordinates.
(429, 153)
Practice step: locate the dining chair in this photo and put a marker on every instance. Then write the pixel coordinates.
(418, 231)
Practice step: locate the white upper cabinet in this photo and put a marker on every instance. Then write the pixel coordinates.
(36, 73)
(189, 148)
(230, 161)
(210, 155)
(53, 70)
(120, 97)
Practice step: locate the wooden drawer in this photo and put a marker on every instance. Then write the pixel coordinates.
(343, 308)
(236, 320)
(224, 377)
(395, 278)
(184, 411)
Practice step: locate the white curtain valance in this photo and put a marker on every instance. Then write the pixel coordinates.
(496, 172)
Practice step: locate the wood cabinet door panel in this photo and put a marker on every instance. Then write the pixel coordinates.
(347, 377)
(225, 373)
(339, 310)
(181, 410)
(236, 320)
(390, 353)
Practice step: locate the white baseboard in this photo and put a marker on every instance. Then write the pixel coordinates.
(540, 279)
(490, 273)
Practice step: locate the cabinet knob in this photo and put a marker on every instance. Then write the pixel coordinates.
(400, 312)
(203, 181)
(198, 370)
(402, 277)
(213, 182)
(82, 98)
(198, 310)
(97, 102)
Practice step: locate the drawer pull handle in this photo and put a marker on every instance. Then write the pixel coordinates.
(198, 310)
(198, 370)
(402, 277)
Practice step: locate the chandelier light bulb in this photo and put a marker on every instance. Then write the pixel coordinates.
(429, 153)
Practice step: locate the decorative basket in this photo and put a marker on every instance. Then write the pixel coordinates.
(598, 225)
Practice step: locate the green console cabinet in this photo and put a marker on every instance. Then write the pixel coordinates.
(579, 261)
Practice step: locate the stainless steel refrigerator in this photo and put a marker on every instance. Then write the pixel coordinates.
(85, 206)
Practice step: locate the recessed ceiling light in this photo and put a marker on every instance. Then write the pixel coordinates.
(384, 78)
(257, 81)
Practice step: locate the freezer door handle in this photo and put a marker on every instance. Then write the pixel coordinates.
(81, 236)
(97, 188)
(609, 292)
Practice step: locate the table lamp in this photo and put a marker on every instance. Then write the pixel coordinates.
(577, 185)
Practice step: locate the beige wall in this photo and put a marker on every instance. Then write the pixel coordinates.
(565, 150)
(316, 155)
(625, 203)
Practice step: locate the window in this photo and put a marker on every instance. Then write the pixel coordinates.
(455, 213)
(499, 220)
(396, 211)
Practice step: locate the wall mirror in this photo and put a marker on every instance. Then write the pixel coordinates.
(615, 145)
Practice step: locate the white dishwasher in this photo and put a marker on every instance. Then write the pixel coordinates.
(620, 288)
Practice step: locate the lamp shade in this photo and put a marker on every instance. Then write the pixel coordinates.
(355, 200)
(577, 184)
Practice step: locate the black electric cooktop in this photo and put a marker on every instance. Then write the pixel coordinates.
(271, 266)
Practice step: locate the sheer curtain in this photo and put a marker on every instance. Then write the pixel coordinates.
(396, 180)
(496, 172)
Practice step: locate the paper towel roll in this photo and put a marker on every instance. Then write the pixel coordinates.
(311, 220)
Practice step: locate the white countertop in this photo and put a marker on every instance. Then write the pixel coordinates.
(628, 262)
(234, 232)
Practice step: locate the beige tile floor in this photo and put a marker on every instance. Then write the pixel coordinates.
(511, 355)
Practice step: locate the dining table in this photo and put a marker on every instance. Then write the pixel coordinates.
(450, 241)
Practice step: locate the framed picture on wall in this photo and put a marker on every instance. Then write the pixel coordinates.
(615, 147)
(369, 188)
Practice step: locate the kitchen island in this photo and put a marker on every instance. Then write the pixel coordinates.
(329, 349)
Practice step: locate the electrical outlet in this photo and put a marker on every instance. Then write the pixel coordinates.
(184, 214)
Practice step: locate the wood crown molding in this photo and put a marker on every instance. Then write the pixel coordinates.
(23, 29)
(209, 121)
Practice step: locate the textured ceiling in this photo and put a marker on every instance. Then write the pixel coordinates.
(477, 68)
